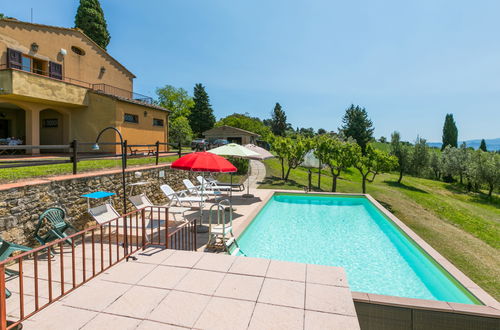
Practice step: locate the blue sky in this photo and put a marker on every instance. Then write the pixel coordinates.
(408, 62)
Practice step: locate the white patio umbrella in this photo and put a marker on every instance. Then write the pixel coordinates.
(236, 150)
(310, 161)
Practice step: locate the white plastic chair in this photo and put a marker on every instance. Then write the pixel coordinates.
(196, 191)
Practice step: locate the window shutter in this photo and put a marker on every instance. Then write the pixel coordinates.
(55, 70)
(14, 59)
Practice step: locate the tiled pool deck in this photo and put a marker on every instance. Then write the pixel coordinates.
(167, 289)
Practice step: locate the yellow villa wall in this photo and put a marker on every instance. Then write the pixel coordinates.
(143, 132)
(87, 68)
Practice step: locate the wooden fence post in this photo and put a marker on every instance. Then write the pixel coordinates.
(74, 158)
(157, 152)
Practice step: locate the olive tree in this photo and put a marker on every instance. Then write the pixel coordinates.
(484, 168)
(402, 152)
(419, 156)
(297, 149)
(373, 162)
(281, 147)
(338, 156)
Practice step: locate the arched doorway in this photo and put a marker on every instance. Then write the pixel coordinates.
(12, 123)
(51, 127)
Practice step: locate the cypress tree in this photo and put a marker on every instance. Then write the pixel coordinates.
(450, 132)
(278, 121)
(482, 146)
(90, 19)
(202, 116)
(357, 125)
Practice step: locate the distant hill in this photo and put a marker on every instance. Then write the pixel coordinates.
(491, 144)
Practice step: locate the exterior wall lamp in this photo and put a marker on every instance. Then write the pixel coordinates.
(34, 47)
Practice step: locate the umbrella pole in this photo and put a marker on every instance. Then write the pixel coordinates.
(248, 195)
(201, 228)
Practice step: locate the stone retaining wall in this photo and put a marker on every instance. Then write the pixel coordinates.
(21, 204)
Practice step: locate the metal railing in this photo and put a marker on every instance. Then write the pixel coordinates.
(103, 88)
(39, 277)
(74, 153)
(120, 92)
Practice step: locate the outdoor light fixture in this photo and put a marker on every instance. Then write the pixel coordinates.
(124, 165)
(145, 113)
(63, 52)
(103, 70)
(34, 47)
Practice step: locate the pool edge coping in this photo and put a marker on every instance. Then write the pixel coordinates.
(491, 307)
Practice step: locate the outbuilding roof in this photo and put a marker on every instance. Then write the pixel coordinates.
(225, 129)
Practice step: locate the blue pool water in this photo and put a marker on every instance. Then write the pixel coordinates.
(349, 232)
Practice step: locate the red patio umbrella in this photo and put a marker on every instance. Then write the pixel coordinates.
(203, 162)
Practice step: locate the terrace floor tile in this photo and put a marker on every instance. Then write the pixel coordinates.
(281, 292)
(317, 320)
(250, 266)
(180, 308)
(107, 321)
(166, 277)
(224, 313)
(330, 299)
(215, 262)
(183, 259)
(272, 317)
(326, 275)
(95, 295)
(137, 302)
(200, 281)
(240, 287)
(287, 270)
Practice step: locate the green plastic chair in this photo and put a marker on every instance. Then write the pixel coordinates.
(57, 226)
(6, 250)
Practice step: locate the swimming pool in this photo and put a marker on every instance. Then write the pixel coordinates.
(349, 232)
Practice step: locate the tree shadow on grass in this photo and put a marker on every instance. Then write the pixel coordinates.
(476, 197)
(279, 182)
(403, 186)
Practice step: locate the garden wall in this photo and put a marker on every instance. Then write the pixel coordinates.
(22, 203)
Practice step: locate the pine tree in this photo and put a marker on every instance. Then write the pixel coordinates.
(278, 121)
(482, 146)
(450, 132)
(202, 116)
(90, 19)
(358, 126)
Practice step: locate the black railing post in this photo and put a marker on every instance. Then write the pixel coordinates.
(74, 146)
(125, 153)
(157, 152)
(180, 149)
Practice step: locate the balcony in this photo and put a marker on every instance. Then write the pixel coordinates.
(39, 85)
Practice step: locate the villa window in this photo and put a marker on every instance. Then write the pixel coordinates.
(129, 118)
(26, 63)
(157, 122)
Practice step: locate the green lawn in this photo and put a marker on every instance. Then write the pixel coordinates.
(463, 227)
(12, 174)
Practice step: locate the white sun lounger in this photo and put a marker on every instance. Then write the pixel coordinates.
(212, 185)
(141, 201)
(196, 191)
(106, 212)
(180, 197)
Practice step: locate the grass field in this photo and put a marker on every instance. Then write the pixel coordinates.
(12, 174)
(463, 227)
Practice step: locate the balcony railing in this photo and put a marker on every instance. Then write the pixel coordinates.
(103, 88)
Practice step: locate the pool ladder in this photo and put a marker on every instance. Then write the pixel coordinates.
(220, 230)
